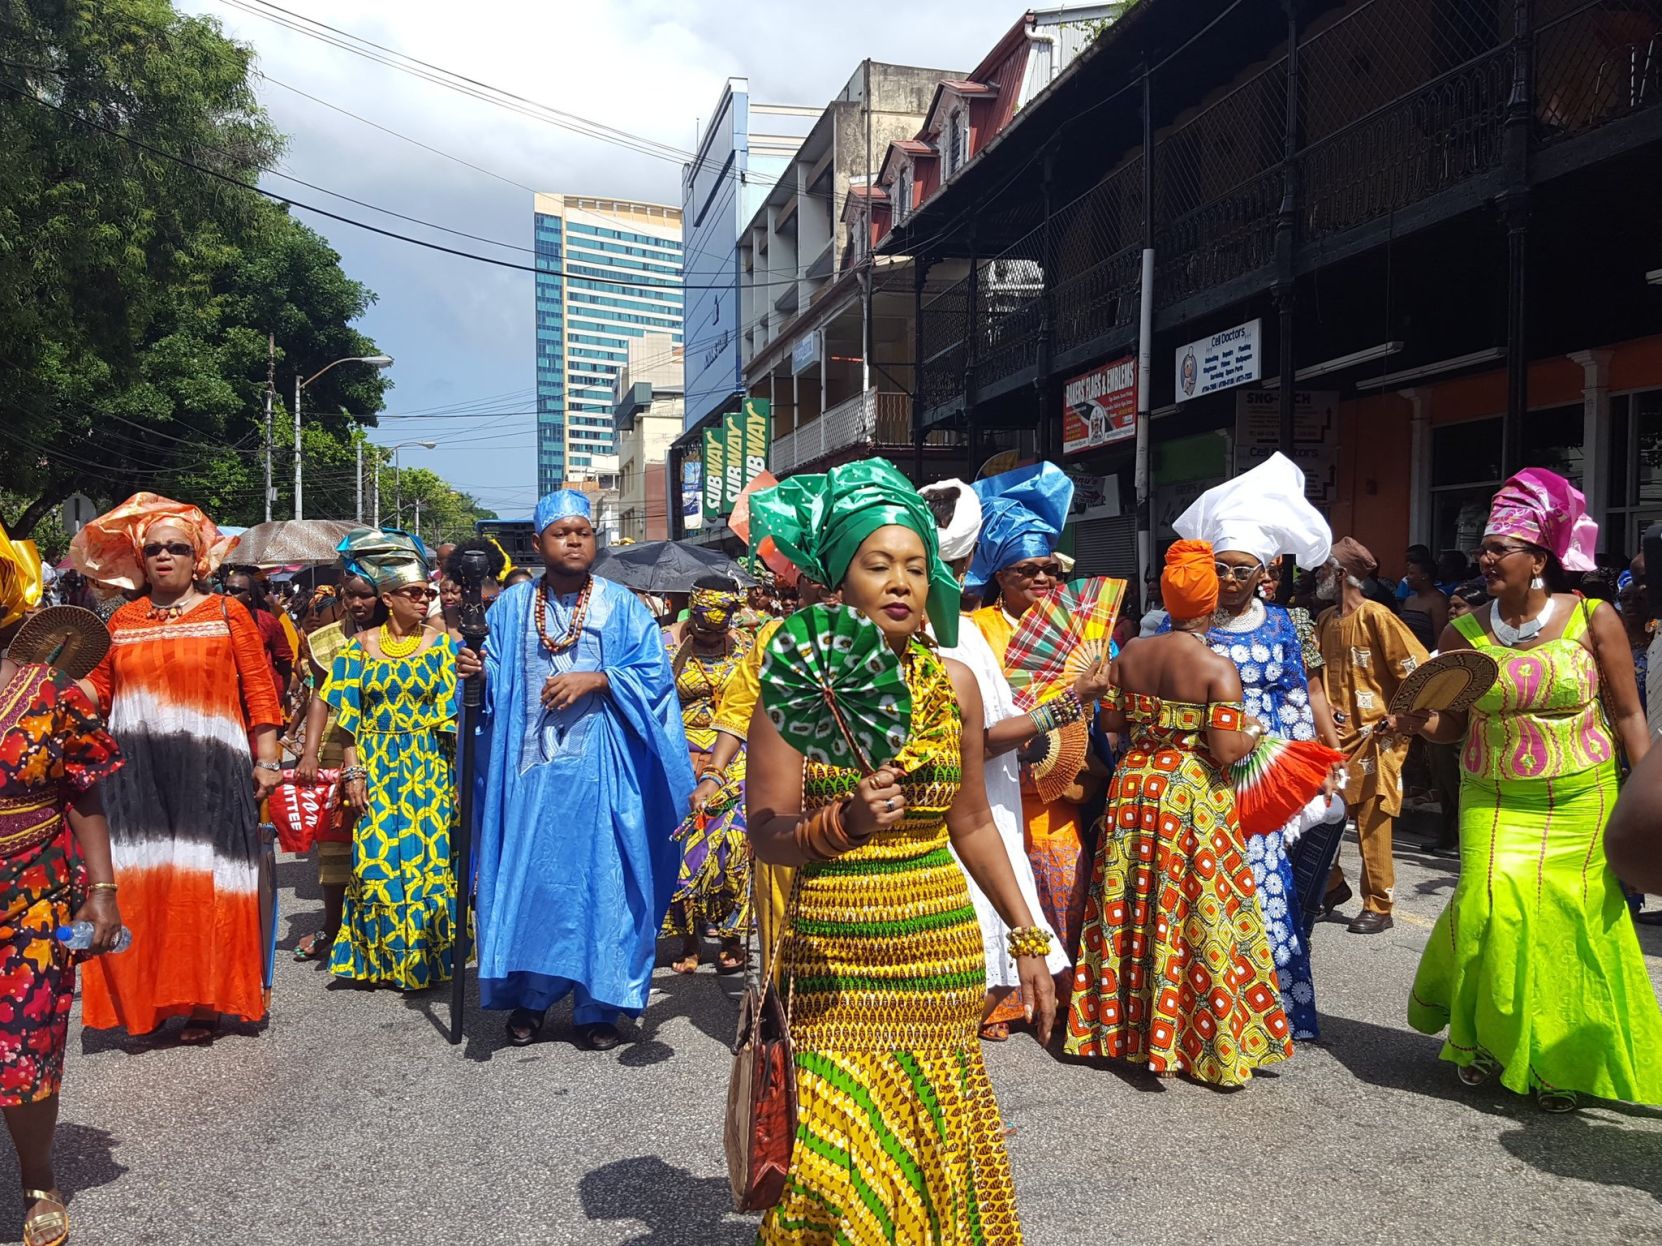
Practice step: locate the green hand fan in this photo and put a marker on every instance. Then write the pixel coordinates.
(835, 690)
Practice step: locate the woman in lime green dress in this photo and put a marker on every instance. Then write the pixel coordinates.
(1534, 968)
(394, 693)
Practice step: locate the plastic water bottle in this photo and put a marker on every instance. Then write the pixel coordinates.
(78, 937)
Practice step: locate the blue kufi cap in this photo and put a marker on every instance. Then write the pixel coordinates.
(561, 504)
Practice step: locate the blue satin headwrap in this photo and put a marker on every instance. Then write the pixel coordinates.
(561, 504)
(1022, 516)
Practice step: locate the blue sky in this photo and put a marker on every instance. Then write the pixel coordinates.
(460, 331)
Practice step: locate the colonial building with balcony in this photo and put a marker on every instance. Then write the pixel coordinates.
(1412, 242)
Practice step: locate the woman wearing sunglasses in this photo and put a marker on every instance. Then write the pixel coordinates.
(393, 690)
(187, 690)
(1249, 521)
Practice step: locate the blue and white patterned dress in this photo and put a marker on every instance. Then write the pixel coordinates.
(1265, 647)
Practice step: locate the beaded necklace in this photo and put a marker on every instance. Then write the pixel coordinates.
(398, 647)
(167, 614)
(578, 613)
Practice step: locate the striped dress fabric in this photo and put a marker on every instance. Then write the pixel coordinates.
(182, 697)
(899, 1138)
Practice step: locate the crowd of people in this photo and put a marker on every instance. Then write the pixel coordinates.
(629, 786)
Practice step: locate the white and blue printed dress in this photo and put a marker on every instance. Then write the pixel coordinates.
(1265, 647)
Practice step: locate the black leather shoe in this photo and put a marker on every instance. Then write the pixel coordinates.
(1341, 894)
(1370, 922)
(599, 1037)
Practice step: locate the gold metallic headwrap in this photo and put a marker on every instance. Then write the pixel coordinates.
(21, 578)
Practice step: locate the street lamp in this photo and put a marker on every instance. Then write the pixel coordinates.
(397, 484)
(374, 361)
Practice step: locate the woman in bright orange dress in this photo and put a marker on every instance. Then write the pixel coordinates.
(187, 691)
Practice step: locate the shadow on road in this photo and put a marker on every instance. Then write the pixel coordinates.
(83, 1158)
(675, 1206)
(709, 1000)
(1585, 1145)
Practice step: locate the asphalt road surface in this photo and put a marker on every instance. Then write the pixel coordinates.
(348, 1118)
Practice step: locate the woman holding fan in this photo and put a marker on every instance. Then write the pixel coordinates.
(1248, 521)
(898, 1129)
(1176, 971)
(1015, 564)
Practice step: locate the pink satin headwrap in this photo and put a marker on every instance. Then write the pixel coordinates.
(1543, 508)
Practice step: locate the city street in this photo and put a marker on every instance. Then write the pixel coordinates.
(351, 1119)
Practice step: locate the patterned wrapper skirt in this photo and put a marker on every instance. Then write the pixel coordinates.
(37, 974)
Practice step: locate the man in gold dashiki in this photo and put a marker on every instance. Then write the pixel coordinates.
(1367, 652)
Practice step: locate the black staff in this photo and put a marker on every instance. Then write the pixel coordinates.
(472, 568)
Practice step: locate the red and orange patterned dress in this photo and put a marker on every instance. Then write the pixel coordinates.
(183, 694)
(1175, 969)
(52, 745)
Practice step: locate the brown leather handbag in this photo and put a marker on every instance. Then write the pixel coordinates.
(761, 1093)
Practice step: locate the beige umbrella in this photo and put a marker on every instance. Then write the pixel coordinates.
(279, 542)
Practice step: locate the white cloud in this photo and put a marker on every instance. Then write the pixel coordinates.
(462, 330)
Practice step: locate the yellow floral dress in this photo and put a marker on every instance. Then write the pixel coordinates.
(899, 1138)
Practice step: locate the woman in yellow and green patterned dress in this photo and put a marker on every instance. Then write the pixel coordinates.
(394, 692)
(713, 887)
(899, 1137)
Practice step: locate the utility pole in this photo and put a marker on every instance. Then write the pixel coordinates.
(358, 447)
(299, 507)
(418, 517)
(375, 490)
(270, 401)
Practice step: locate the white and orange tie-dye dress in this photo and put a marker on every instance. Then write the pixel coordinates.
(182, 695)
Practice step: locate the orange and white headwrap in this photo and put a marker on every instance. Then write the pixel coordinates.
(110, 548)
(22, 580)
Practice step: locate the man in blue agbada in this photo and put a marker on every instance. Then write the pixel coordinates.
(582, 777)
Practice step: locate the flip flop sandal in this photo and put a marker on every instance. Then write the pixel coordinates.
(523, 1019)
(995, 1032)
(48, 1226)
(732, 959)
(199, 1033)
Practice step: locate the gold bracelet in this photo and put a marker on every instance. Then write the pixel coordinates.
(1029, 941)
(101, 887)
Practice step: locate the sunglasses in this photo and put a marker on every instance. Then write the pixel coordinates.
(179, 549)
(1033, 570)
(1498, 549)
(418, 593)
(1228, 571)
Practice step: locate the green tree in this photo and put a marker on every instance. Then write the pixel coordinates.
(447, 514)
(138, 294)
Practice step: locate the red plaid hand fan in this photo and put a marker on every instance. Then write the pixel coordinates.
(1061, 635)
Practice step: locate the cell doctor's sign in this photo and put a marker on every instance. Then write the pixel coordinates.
(1225, 359)
(1099, 407)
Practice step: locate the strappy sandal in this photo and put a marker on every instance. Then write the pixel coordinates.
(732, 958)
(313, 946)
(48, 1227)
(995, 1032)
(688, 961)
(524, 1026)
(1557, 1102)
(1482, 1069)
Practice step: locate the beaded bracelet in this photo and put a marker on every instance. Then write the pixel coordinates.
(352, 773)
(1057, 712)
(1029, 941)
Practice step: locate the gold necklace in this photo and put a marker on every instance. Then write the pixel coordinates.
(398, 647)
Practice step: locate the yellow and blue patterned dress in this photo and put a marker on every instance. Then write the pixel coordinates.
(899, 1138)
(399, 921)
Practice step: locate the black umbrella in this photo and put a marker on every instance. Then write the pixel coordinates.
(665, 566)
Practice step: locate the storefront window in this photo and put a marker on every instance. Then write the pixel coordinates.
(1552, 438)
(1464, 454)
(1635, 467)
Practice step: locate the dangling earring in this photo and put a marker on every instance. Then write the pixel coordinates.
(1537, 583)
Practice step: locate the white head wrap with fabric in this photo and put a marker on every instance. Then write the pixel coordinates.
(1263, 513)
(959, 536)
